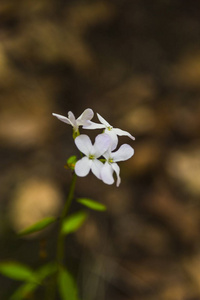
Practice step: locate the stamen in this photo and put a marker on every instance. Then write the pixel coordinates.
(91, 156)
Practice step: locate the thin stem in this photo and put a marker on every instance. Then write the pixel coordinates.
(61, 237)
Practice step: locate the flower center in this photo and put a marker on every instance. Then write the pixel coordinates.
(110, 160)
(109, 128)
(91, 156)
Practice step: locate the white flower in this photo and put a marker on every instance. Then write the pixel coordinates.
(110, 166)
(112, 132)
(83, 120)
(92, 152)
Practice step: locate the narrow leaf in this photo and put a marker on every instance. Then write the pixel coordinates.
(92, 204)
(74, 222)
(38, 226)
(66, 285)
(17, 271)
(45, 271)
(24, 291)
(28, 288)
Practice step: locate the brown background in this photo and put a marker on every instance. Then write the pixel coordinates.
(137, 63)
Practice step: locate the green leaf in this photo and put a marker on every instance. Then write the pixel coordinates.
(74, 222)
(92, 204)
(45, 271)
(17, 271)
(66, 285)
(27, 288)
(24, 291)
(38, 226)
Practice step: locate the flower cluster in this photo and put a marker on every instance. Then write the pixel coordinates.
(100, 157)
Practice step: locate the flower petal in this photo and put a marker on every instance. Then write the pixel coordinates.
(107, 154)
(72, 118)
(85, 117)
(103, 121)
(101, 144)
(84, 144)
(93, 125)
(107, 174)
(117, 171)
(96, 167)
(123, 153)
(114, 138)
(123, 132)
(63, 119)
(82, 167)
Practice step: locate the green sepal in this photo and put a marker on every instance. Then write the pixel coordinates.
(71, 161)
(92, 204)
(38, 226)
(75, 133)
(74, 222)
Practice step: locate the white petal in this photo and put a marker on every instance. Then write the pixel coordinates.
(63, 119)
(103, 121)
(107, 154)
(72, 118)
(117, 171)
(107, 174)
(84, 144)
(123, 132)
(123, 153)
(82, 167)
(93, 125)
(96, 167)
(85, 117)
(101, 144)
(114, 138)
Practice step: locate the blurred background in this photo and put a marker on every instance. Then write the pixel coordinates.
(137, 63)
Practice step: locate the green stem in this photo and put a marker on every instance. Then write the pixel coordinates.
(61, 237)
